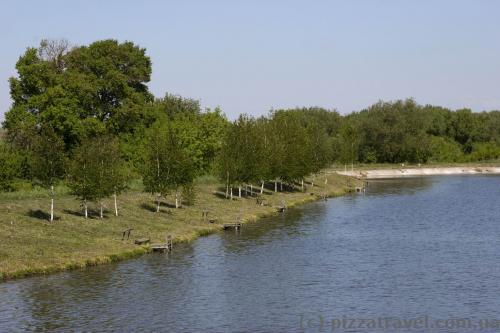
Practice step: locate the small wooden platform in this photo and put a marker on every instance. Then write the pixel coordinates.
(167, 247)
(161, 247)
(235, 226)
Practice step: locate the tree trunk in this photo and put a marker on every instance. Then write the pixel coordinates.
(158, 204)
(102, 215)
(85, 208)
(302, 185)
(116, 205)
(239, 192)
(176, 200)
(52, 203)
(227, 191)
(261, 187)
(251, 190)
(231, 191)
(275, 186)
(326, 180)
(281, 185)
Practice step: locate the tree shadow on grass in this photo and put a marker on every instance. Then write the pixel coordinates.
(164, 207)
(40, 214)
(220, 195)
(92, 213)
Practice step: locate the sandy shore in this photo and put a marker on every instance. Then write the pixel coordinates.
(415, 172)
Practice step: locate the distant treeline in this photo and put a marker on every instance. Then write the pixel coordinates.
(84, 115)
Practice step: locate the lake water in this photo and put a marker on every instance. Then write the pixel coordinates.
(420, 252)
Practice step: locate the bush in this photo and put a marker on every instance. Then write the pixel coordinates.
(484, 151)
(444, 150)
(10, 166)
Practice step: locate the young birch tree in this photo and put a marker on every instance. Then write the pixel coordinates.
(48, 161)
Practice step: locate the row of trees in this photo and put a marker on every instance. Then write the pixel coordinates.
(404, 131)
(286, 146)
(84, 116)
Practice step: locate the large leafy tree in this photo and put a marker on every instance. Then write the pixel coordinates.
(80, 91)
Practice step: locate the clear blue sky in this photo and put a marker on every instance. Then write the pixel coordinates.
(250, 56)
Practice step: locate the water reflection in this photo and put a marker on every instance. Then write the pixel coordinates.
(401, 186)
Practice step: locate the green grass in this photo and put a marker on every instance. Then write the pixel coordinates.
(30, 244)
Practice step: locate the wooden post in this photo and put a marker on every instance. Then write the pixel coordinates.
(126, 232)
(168, 242)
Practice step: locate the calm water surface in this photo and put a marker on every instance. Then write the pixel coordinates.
(407, 248)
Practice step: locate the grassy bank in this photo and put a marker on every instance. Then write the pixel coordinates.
(29, 244)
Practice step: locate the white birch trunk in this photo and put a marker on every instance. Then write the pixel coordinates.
(158, 204)
(302, 184)
(231, 192)
(102, 215)
(251, 190)
(85, 208)
(176, 200)
(275, 186)
(52, 203)
(239, 192)
(261, 187)
(116, 205)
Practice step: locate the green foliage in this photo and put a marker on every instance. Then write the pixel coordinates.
(484, 151)
(288, 146)
(444, 150)
(97, 170)
(64, 95)
(79, 92)
(10, 163)
(168, 165)
(49, 159)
